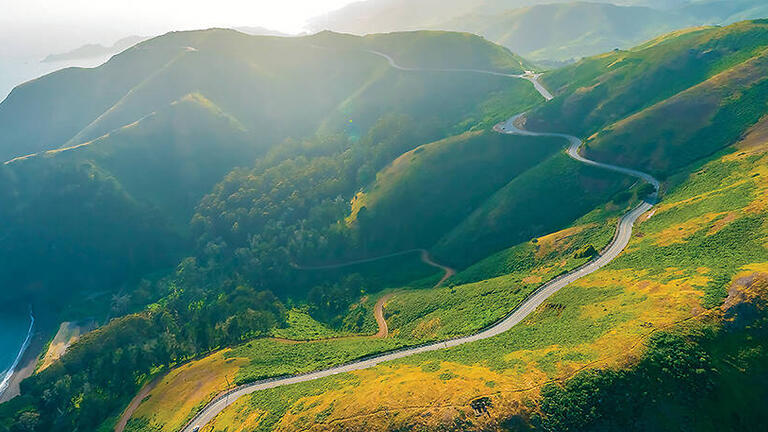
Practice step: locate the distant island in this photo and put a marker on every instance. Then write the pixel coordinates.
(90, 51)
(95, 50)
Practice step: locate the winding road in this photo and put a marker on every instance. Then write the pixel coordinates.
(619, 242)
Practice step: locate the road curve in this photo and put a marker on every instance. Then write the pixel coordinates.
(531, 77)
(619, 242)
(426, 258)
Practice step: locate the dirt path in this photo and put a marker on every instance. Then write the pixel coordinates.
(448, 272)
(135, 402)
(378, 309)
(378, 312)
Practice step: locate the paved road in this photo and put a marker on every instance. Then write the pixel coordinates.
(620, 241)
(533, 78)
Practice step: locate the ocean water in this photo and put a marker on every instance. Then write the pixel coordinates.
(15, 71)
(14, 335)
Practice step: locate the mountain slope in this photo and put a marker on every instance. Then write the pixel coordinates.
(571, 30)
(425, 192)
(670, 335)
(551, 31)
(118, 206)
(712, 69)
(291, 83)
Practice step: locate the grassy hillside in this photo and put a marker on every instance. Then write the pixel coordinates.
(118, 206)
(115, 120)
(414, 317)
(544, 199)
(427, 191)
(168, 159)
(658, 319)
(692, 124)
(551, 31)
(666, 103)
(260, 143)
(604, 89)
(513, 211)
(292, 84)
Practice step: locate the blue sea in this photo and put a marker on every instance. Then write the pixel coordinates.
(15, 334)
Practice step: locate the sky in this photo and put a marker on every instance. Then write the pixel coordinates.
(51, 25)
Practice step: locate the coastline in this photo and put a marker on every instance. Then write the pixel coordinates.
(26, 364)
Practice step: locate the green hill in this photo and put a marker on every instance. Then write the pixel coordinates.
(117, 207)
(566, 31)
(660, 82)
(292, 84)
(264, 145)
(549, 31)
(424, 193)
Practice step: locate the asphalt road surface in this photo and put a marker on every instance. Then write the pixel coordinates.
(620, 241)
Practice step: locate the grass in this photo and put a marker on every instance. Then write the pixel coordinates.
(301, 326)
(426, 192)
(600, 90)
(693, 124)
(486, 292)
(201, 380)
(547, 198)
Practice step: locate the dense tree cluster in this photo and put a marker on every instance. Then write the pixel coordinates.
(100, 369)
(259, 224)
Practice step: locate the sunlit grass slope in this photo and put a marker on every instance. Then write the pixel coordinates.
(601, 90)
(427, 191)
(690, 125)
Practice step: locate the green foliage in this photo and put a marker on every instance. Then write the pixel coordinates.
(269, 358)
(673, 370)
(89, 383)
(704, 378)
(276, 402)
(301, 326)
(598, 91)
(426, 192)
(544, 199)
(724, 252)
(72, 229)
(597, 227)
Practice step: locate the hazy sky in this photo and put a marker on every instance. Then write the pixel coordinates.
(61, 23)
